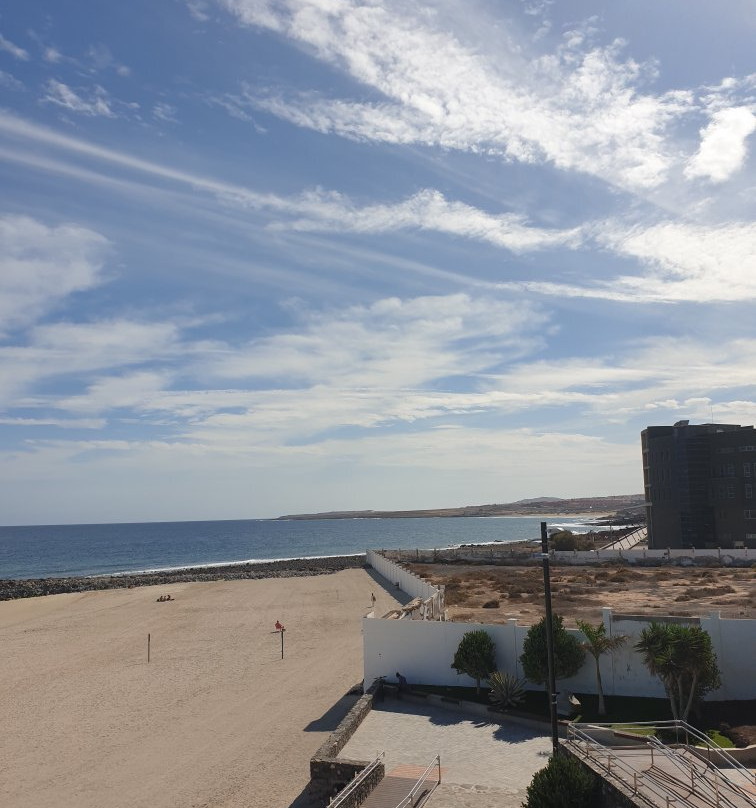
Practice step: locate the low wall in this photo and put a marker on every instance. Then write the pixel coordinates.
(328, 773)
(501, 554)
(423, 652)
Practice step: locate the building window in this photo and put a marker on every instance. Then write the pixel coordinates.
(731, 491)
(746, 469)
(748, 514)
(748, 490)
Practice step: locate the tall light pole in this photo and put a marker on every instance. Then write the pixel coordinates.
(549, 639)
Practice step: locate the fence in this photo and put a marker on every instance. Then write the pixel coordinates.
(424, 650)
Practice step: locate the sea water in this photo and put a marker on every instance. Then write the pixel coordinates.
(45, 551)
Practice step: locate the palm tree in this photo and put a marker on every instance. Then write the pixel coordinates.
(597, 643)
(683, 658)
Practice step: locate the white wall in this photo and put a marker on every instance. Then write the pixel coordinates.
(408, 582)
(580, 557)
(423, 652)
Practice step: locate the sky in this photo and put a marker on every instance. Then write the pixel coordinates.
(261, 257)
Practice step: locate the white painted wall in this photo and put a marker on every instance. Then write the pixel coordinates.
(423, 652)
(395, 574)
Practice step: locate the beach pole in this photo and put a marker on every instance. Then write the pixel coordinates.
(282, 642)
(148, 648)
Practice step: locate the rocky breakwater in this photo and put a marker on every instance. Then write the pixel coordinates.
(35, 587)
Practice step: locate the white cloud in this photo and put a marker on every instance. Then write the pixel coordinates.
(578, 107)
(428, 210)
(97, 103)
(42, 265)
(117, 392)
(683, 262)
(74, 350)
(321, 210)
(164, 112)
(62, 423)
(689, 262)
(723, 145)
(198, 9)
(10, 82)
(52, 55)
(13, 49)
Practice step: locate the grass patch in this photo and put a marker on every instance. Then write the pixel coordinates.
(720, 740)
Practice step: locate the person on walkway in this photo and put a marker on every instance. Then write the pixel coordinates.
(403, 687)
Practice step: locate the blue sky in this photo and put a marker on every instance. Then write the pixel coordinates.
(273, 257)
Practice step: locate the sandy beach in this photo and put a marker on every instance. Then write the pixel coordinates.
(216, 718)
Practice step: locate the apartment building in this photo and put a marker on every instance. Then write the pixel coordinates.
(699, 481)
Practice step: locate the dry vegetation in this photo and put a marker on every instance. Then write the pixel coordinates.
(493, 594)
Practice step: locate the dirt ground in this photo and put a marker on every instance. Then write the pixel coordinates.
(493, 594)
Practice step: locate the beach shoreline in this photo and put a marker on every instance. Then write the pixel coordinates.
(13, 589)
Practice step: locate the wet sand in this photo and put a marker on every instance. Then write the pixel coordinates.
(216, 718)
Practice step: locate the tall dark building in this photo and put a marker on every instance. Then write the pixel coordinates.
(699, 485)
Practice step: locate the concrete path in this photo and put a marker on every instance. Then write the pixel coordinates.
(484, 765)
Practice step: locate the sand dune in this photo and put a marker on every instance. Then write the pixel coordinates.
(216, 718)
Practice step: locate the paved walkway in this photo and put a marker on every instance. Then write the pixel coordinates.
(484, 765)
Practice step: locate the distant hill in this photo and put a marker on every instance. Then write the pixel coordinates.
(622, 504)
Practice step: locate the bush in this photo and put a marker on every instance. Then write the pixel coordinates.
(564, 783)
(568, 653)
(475, 656)
(507, 691)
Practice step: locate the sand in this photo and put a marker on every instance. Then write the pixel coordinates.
(580, 592)
(216, 718)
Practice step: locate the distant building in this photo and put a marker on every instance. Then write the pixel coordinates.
(699, 481)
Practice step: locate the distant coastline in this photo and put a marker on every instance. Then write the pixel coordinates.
(600, 508)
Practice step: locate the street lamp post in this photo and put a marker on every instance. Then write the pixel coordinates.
(549, 639)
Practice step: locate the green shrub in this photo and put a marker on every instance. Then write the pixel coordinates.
(568, 654)
(564, 783)
(506, 690)
(475, 656)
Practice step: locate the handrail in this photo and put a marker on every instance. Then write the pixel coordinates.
(410, 798)
(694, 776)
(676, 724)
(627, 541)
(354, 782)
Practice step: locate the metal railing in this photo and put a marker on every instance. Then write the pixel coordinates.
(415, 793)
(704, 780)
(628, 541)
(356, 781)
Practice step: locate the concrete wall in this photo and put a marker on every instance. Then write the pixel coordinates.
(423, 652)
(498, 553)
(408, 582)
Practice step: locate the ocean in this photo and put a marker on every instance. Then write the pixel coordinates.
(50, 551)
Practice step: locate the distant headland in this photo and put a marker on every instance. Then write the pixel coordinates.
(620, 507)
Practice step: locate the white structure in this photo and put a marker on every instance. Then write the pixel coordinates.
(424, 649)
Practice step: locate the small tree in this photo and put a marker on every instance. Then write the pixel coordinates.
(597, 643)
(682, 657)
(564, 783)
(568, 654)
(475, 656)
